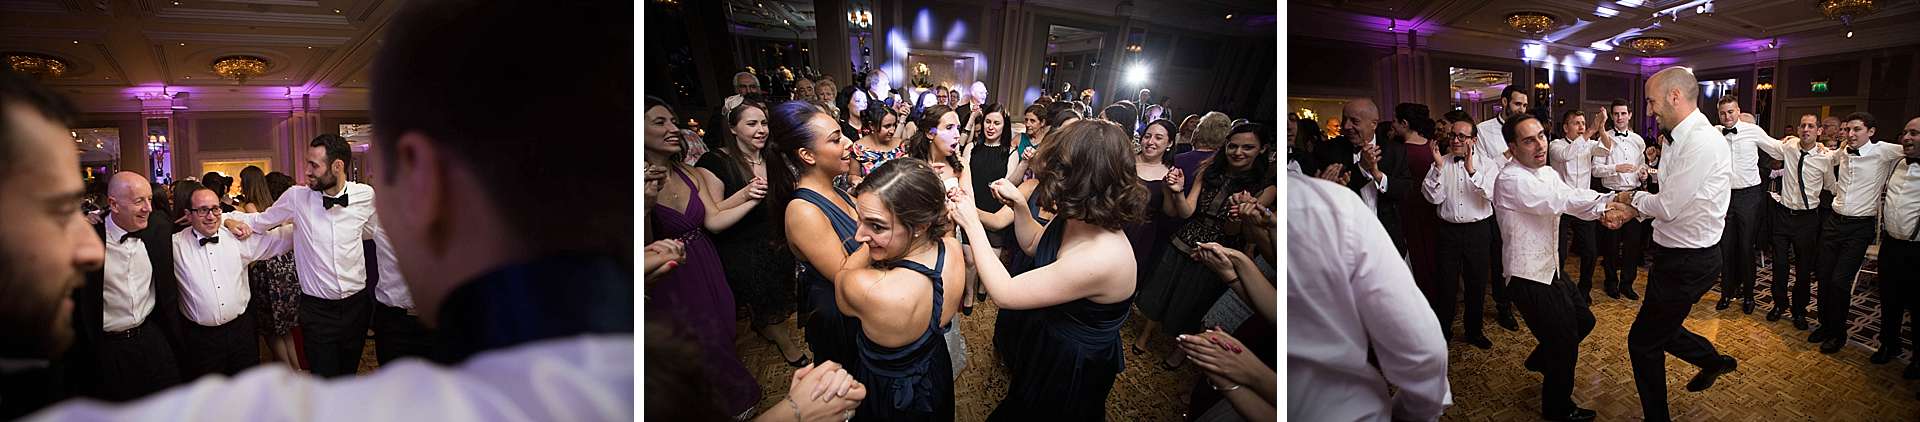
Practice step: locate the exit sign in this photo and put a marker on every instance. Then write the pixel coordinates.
(1820, 86)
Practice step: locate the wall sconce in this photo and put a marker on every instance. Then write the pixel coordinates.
(1540, 85)
(1763, 86)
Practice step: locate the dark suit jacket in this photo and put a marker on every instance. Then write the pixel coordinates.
(1393, 162)
(89, 304)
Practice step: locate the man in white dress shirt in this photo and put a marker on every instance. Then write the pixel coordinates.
(1689, 216)
(470, 250)
(1900, 251)
(1796, 227)
(328, 214)
(1460, 185)
(1862, 168)
(1620, 164)
(1349, 297)
(128, 325)
(397, 331)
(1572, 157)
(1493, 145)
(212, 267)
(1795, 222)
(1533, 196)
(1743, 209)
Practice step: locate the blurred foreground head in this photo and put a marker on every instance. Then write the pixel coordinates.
(45, 244)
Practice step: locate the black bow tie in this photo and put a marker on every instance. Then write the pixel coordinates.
(326, 203)
(205, 240)
(1727, 131)
(136, 234)
(1457, 158)
(1853, 151)
(1620, 134)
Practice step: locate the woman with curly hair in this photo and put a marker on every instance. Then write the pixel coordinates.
(1083, 278)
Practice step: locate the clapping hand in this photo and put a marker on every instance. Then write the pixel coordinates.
(1335, 172)
(1222, 357)
(1370, 157)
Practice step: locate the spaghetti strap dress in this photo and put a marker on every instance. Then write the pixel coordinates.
(1070, 358)
(1009, 327)
(829, 332)
(912, 382)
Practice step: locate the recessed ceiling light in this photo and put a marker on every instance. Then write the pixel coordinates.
(309, 47)
(76, 41)
(189, 77)
(336, 11)
(1229, 16)
(176, 3)
(183, 44)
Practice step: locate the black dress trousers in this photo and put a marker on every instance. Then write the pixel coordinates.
(1559, 319)
(1677, 281)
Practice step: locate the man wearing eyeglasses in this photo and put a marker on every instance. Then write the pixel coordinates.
(211, 265)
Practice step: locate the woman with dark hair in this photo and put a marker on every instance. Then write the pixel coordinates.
(1035, 121)
(903, 303)
(272, 281)
(805, 152)
(877, 143)
(695, 295)
(1305, 137)
(1058, 116)
(1185, 137)
(988, 154)
(758, 274)
(1078, 292)
(1420, 220)
(1181, 289)
(938, 141)
(1152, 165)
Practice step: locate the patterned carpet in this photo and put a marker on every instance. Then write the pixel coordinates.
(1781, 376)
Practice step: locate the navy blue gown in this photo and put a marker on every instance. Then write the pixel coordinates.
(1010, 325)
(912, 382)
(1069, 355)
(829, 332)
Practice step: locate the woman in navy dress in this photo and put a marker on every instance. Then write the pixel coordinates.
(1083, 276)
(805, 151)
(902, 303)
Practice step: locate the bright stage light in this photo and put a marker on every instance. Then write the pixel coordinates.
(1137, 75)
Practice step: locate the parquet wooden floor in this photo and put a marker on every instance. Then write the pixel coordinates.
(1144, 391)
(1781, 376)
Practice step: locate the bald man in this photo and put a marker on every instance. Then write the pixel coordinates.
(127, 315)
(1689, 217)
(1377, 173)
(45, 247)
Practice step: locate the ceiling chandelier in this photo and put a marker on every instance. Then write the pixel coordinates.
(40, 66)
(1649, 45)
(1531, 23)
(1847, 10)
(1488, 79)
(239, 68)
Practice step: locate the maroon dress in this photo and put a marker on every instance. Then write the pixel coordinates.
(1418, 219)
(695, 297)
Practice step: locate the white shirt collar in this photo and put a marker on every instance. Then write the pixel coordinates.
(113, 230)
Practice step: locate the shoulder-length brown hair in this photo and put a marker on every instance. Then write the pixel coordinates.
(1086, 173)
(253, 186)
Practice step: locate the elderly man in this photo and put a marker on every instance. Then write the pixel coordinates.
(1689, 216)
(1377, 174)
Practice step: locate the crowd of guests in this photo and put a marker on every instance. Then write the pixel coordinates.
(878, 219)
(1503, 201)
(134, 300)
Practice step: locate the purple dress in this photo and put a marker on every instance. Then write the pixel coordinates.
(695, 297)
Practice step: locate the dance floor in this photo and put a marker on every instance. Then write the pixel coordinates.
(1781, 376)
(1144, 392)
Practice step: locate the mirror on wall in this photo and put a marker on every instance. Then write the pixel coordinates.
(1073, 60)
(1477, 90)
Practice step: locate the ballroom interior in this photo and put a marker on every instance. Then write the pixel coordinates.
(1780, 59)
(176, 89)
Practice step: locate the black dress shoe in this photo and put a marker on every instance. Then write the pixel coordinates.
(1628, 292)
(1884, 355)
(1800, 323)
(1722, 305)
(1746, 306)
(1531, 364)
(1832, 345)
(1773, 315)
(1818, 336)
(1578, 414)
(1480, 341)
(1913, 371)
(1612, 292)
(1505, 319)
(1706, 376)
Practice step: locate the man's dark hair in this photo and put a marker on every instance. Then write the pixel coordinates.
(1507, 94)
(1459, 116)
(429, 80)
(1862, 116)
(1617, 102)
(1122, 112)
(1416, 116)
(1508, 130)
(1729, 98)
(17, 90)
(337, 149)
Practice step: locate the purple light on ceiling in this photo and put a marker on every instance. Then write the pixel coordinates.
(923, 26)
(954, 34)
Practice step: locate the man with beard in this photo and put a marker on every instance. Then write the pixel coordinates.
(45, 248)
(328, 215)
(1900, 251)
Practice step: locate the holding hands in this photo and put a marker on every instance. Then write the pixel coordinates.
(662, 256)
(1176, 180)
(825, 392)
(1619, 211)
(1226, 361)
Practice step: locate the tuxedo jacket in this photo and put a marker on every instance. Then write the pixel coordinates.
(1393, 162)
(89, 304)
